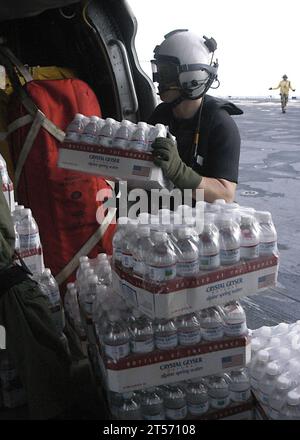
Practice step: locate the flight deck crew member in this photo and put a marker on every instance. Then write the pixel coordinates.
(285, 86)
(208, 142)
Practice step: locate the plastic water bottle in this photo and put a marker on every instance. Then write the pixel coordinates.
(139, 138)
(175, 402)
(188, 254)
(49, 288)
(197, 398)
(128, 245)
(188, 327)
(91, 130)
(30, 245)
(142, 333)
(103, 272)
(291, 409)
(142, 247)
(107, 132)
(234, 318)
(17, 213)
(6, 185)
(75, 128)
(273, 369)
(152, 405)
(229, 241)
(277, 399)
(83, 264)
(209, 247)
(91, 290)
(83, 283)
(159, 130)
(218, 391)
(130, 409)
(291, 373)
(211, 324)
(268, 234)
(28, 231)
(116, 338)
(249, 237)
(162, 258)
(123, 135)
(257, 344)
(118, 239)
(239, 385)
(101, 324)
(258, 366)
(165, 334)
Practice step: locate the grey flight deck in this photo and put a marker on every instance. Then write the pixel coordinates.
(270, 180)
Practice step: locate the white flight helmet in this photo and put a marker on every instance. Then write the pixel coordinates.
(184, 61)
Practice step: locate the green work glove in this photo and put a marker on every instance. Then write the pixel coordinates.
(166, 156)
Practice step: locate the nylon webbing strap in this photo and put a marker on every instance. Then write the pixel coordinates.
(46, 123)
(14, 60)
(87, 247)
(18, 123)
(31, 135)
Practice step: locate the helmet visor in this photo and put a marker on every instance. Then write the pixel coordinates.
(164, 73)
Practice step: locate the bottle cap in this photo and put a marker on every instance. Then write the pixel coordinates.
(263, 356)
(293, 398)
(246, 219)
(219, 202)
(272, 369)
(47, 272)
(283, 383)
(92, 279)
(123, 220)
(274, 342)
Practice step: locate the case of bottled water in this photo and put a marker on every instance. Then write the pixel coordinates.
(202, 398)
(115, 149)
(274, 371)
(175, 262)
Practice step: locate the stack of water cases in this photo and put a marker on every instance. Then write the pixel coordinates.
(159, 369)
(166, 358)
(275, 371)
(119, 150)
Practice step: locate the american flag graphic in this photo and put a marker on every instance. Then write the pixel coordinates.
(266, 280)
(140, 171)
(232, 361)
